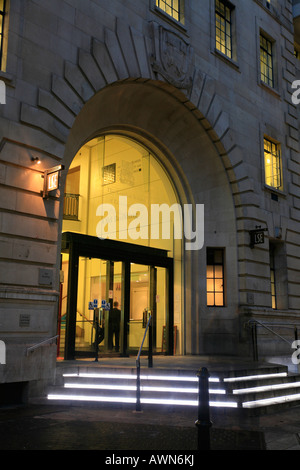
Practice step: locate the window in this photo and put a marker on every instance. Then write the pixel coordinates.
(215, 277)
(174, 8)
(109, 173)
(272, 164)
(266, 61)
(2, 15)
(224, 27)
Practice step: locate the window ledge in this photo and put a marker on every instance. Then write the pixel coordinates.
(178, 24)
(226, 59)
(7, 78)
(268, 88)
(276, 192)
(271, 10)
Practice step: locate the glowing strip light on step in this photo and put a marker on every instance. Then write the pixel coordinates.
(266, 388)
(254, 377)
(271, 401)
(143, 377)
(143, 388)
(151, 401)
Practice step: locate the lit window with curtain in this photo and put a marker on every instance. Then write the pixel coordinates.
(215, 277)
(273, 177)
(2, 17)
(223, 17)
(266, 61)
(173, 8)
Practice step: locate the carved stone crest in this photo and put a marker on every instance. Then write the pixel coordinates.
(172, 57)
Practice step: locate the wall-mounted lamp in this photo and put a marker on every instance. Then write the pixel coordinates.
(36, 160)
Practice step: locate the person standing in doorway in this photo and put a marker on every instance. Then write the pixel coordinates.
(114, 326)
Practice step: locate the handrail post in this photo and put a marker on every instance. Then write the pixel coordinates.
(150, 352)
(138, 365)
(138, 386)
(203, 423)
(254, 341)
(96, 340)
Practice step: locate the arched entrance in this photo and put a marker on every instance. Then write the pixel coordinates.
(121, 251)
(160, 121)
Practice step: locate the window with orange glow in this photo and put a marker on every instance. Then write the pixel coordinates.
(215, 277)
(273, 177)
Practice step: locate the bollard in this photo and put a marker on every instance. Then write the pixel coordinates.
(138, 386)
(203, 423)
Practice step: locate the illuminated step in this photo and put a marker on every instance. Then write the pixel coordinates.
(144, 388)
(143, 377)
(266, 388)
(255, 377)
(153, 401)
(271, 401)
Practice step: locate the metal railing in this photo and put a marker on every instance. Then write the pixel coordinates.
(71, 206)
(42, 343)
(253, 325)
(138, 363)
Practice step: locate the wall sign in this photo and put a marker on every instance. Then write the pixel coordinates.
(257, 236)
(51, 180)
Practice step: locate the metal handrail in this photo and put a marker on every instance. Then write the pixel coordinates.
(42, 343)
(138, 366)
(142, 343)
(264, 325)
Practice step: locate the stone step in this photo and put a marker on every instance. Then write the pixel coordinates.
(251, 391)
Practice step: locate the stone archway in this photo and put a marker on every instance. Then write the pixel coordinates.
(156, 119)
(184, 124)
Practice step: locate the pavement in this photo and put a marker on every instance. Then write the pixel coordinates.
(119, 431)
(111, 429)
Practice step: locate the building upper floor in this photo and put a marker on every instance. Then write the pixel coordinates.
(239, 43)
(296, 16)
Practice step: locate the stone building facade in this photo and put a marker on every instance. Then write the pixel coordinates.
(206, 89)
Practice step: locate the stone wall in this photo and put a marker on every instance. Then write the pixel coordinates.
(66, 57)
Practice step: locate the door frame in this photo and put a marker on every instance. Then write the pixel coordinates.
(77, 245)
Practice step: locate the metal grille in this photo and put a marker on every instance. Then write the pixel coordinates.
(71, 206)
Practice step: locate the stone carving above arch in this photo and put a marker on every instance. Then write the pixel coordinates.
(172, 58)
(159, 56)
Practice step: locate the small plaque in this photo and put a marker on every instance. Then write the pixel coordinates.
(45, 277)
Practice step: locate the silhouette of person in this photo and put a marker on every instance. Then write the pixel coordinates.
(114, 326)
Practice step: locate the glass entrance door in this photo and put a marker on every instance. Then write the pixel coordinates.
(148, 295)
(99, 305)
(105, 303)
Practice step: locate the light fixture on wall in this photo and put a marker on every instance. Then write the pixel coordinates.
(36, 160)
